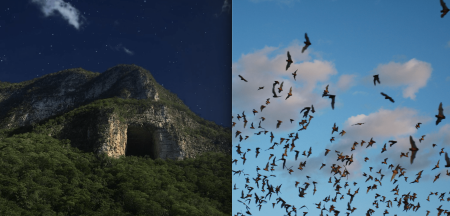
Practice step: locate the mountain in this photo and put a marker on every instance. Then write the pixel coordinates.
(122, 111)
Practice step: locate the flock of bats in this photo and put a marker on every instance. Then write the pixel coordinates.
(405, 199)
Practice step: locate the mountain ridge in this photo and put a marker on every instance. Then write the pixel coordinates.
(108, 113)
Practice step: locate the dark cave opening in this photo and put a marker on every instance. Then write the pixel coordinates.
(140, 142)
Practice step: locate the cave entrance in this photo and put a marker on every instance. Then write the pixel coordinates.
(140, 142)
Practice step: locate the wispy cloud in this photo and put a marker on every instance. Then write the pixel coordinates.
(359, 92)
(226, 7)
(346, 81)
(67, 11)
(120, 47)
(129, 52)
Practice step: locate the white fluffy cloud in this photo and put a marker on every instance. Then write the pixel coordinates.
(261, 71)
(412, 75)
(67, 11)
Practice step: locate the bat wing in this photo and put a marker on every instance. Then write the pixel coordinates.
(384, 94)
(273, 91)
(374, 80)
(306, 108)
(447, 159)
(290, 90)
(288, 65)
(307, 38)
(332, 102)
(412, 142)
(392, 100)
(444, 6)
(393, 176)
(289, 56)
(441, 110)
(413, 155)
(305, 47)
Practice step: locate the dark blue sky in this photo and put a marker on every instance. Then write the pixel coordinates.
(186, 45)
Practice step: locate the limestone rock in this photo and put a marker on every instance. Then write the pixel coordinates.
(122, 111)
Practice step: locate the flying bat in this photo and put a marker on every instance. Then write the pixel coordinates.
(306, 109)
(376, 79)
(332, 100)
(413, 148)
(295, 74)
(387, 97)
(447, 160)
(275, 83)
(440, 116)
(308, 43)
(280, 89)
(274, 93)
(242, 78)
(444, 10)
(289, 94)
(289, 60)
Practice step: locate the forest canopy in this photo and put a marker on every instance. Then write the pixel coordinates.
(41, 175)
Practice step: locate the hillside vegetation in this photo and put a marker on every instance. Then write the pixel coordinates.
(40, 175)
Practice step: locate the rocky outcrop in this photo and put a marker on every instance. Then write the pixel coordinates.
(122, 111)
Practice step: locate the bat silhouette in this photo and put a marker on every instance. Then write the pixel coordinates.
(413, 148)
(447, 160)
(332, 100)
(295, 74)
(289, 94)
(440, 116)
(376, 78)
(308, 43)
(242, 78)
(274, 93)
(289, 60)
(444, 10)
(387, 97)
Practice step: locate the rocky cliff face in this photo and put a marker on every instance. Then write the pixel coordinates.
(122, 111)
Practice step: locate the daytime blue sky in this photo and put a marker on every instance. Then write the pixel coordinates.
(406, 42)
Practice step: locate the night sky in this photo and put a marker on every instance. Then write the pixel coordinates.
(186, 45)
